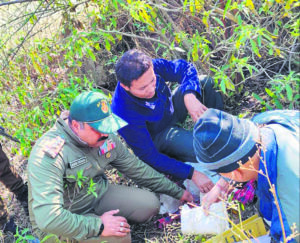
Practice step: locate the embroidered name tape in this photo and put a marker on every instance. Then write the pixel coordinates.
(75, 163)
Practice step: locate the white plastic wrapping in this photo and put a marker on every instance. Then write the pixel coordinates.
(168, 204)
(194, 221)
(192, 188)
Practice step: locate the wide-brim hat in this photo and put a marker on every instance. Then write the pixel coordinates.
(94, 109)
(222, 140)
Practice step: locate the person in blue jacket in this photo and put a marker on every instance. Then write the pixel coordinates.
(265, 149)
(144, 100)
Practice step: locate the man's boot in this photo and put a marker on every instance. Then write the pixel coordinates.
(22, 197)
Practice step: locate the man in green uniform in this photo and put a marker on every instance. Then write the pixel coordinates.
(69, 195)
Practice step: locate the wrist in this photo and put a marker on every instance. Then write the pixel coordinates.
(189, 96)
(222, 189)
(194, 176)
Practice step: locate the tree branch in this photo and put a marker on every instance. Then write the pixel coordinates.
(17, 1)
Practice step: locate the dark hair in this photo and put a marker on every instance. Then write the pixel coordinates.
(132, 65)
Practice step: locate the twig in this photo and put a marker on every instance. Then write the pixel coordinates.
(28, 33)
(15, 2)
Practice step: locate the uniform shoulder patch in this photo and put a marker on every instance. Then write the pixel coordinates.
(53, 146)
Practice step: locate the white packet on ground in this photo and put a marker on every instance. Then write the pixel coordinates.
(168, 204)
(194, 221)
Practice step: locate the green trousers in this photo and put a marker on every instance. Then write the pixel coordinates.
(135, 204)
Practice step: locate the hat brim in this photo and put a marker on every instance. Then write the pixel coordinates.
(110, 124)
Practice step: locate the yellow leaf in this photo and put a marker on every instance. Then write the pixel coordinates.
(286, 14)
(250, 4)
(58, 112)
(296, 5)
(232, 59)
(195, 53)
(204, 20)
(37, 67)
(277, 51)
(119, 37)
(192, 9)
(151, 29)
(229, 85)
(199, 5)
(237, 44)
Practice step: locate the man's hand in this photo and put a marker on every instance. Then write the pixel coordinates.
(186, 197)
(218, 192)
(202, 181)
(114, 225)
(194, 106)
(211, 197)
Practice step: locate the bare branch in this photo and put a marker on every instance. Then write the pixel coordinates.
(17, 1)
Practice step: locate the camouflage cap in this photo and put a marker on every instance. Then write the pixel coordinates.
(93, 108)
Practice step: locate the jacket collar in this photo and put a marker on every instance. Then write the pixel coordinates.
(150, 104)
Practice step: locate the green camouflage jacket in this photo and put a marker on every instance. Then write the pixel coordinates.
(57, 203)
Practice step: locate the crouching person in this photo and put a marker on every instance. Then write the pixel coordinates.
(265, 149)
(69, 194)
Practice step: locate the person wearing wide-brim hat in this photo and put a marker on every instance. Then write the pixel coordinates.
(265, 149)
(69, 194)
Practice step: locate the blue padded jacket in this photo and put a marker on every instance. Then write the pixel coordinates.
(146, 118)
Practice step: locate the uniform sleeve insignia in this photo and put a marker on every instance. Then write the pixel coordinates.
(53, 146)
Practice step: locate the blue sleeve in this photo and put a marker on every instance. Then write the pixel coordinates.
(138, 138)
(276, 229)
(179, 71)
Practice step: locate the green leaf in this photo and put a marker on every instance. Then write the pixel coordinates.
(91, 54)
(289, 92)
(270, 52)
(226, 8)
(184, 5)
(115, 3)
(270, 93)
(256, 96)
(219, 21)
(254, 47)
(269, 107)
(223, 86)
(240, 21)
(278, 104)
(48, 237)
(107, 45)
(242, 206)
(29, 237)
(297, 97)
(259, 41)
